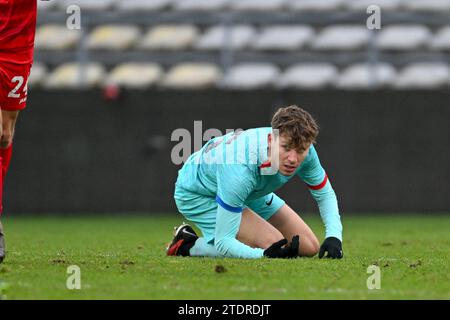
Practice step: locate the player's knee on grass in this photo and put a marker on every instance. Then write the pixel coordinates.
(271, 239)
(309, 246)
(261, 240)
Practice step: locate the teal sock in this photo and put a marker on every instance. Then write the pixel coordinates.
(203, 249)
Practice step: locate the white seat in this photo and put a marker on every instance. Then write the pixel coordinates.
(362, 5)
(200, 5)
(309, 76)
(45, 5)
(73, 75)
(135, 75)
(441, 41)
(284, 37)
(97, 5)
(342, 37)
(138, 5)
(363, 75)
(191, 76)
(403, 37)
(427, 5)
(257, 5)
(217, 37)
(423, 76)
(56, 37)
(169, 37)
(315, 5)
(37, 75)
(113, 37)
(251, 76)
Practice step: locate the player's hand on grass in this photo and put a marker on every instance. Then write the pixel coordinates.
(333, 247)
(281, 249)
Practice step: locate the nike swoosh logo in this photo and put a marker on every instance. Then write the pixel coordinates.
(269, 202)
(187, 232)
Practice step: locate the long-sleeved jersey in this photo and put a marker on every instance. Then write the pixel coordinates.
(235, 170)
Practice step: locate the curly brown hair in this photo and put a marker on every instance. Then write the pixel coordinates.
(297, 125)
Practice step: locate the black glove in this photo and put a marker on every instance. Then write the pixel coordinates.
(279, 250)
(333, 246)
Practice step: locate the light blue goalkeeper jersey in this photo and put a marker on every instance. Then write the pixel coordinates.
(234, 170)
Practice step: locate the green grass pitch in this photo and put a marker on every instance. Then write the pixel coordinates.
(124, 258)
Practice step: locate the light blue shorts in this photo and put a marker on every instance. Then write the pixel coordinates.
(202, 210)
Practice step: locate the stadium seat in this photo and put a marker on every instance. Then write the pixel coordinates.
(403, 37)
(251, 76)
(45, 5)
(441, 41)
(284, 37)
(342, 37)
(362, 5)
(97, 5)
(427, 5)
(73, 75)
(37, 75)
(423, 76)
(169, 37)
(200, 5)
(215, 38)
(257, 5)
(138, 5)
(315, 5)
(308, 76)
(56, 37)
(135, 75)
(113, 37)
(363, 76)
(191, 76)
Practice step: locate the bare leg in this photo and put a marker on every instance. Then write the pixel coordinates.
(256, 232)
(7, 125)
(9, 119)
(289, 223)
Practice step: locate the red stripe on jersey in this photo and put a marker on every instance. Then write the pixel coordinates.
(319, 186)
(266, 164)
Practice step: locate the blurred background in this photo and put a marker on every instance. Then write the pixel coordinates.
(105, 98)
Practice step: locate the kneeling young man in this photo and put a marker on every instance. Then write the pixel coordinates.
(226, 190)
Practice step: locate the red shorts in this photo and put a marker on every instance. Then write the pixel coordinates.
(13, 85)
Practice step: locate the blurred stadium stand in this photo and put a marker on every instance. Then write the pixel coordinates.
(309, 76)
(125, 75)
(169, 37)
(361, 75)
(424, 76)
(248, 76)
(68, 75)
(192, 76)
(325, 36)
